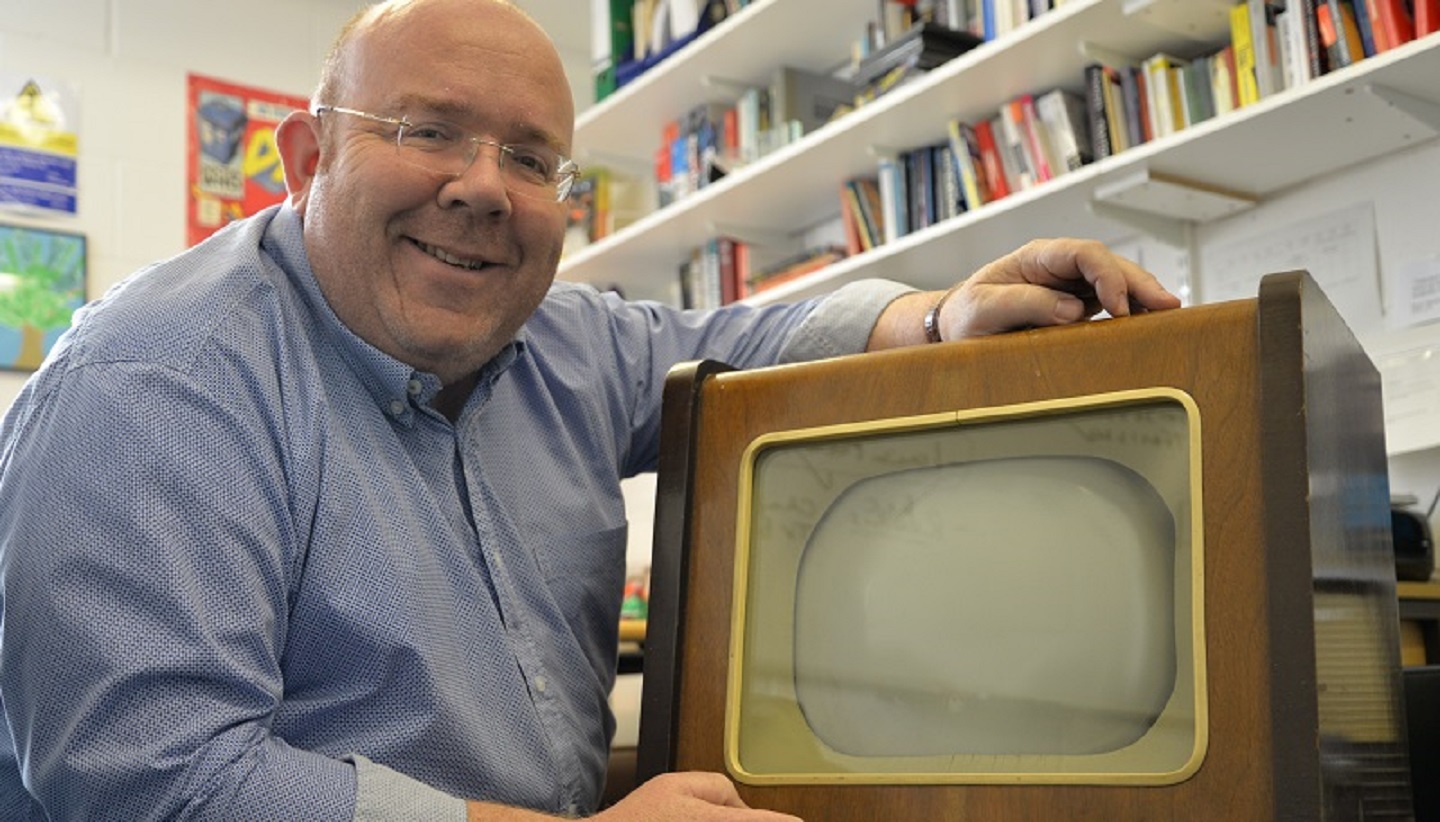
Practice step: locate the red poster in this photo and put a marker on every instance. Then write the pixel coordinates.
(233, 163)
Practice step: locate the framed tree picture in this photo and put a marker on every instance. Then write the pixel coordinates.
(42, 283)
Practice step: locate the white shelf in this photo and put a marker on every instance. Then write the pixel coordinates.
(1292, 137)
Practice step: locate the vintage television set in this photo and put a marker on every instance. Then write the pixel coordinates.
(1130, 569)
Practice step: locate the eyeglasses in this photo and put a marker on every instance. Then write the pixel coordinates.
(445, 148)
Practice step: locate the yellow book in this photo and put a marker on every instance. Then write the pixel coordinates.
(1240, 38)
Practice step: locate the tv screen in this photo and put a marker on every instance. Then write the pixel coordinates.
(1006, 595)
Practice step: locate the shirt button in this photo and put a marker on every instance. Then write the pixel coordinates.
(397, 408)
(540, 684)
(414, 387)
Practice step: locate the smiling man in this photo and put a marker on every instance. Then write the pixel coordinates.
(321, 519)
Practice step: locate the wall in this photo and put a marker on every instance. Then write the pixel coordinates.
(129, 60)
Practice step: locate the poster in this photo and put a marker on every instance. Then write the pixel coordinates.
(233, 167)
(39, 145)
(42, 283)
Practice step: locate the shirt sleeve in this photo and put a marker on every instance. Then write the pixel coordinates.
(147, 548)
(384, 795)
(841, 323)
(647, 339)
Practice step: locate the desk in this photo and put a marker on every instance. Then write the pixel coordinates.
(1419, 622)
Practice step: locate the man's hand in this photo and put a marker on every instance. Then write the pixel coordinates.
(693, 797)
(1043, 283)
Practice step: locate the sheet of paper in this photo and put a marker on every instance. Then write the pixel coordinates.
(1338, 249)
(1410, 384)
(1415, 293)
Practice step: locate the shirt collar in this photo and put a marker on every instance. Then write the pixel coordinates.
(399, 390)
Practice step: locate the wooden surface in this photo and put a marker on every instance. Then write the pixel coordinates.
(1209, 352)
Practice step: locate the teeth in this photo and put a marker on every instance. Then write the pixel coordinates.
(446, 257)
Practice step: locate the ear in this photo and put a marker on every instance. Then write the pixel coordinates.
(298, 138)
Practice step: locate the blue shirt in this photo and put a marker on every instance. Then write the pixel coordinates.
(248, 572)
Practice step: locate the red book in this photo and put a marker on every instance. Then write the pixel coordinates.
(990, 159)
(1392, 23)
(1427, 17)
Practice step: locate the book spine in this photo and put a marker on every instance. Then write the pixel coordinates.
(1361, 10)
(1095, 109)
(1037, 140)
(1395, 22)
(1427, 17)
(1241, 37)
(964, 163)
(1130, 96)
(991, 161)
(1115, 111)
(1314, 50)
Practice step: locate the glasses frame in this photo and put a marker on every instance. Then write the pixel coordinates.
(567, 171)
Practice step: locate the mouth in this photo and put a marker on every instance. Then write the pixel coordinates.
(450, 259)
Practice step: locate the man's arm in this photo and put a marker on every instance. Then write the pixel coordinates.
(1043, 283)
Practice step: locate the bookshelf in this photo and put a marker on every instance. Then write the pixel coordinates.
(1379, 106)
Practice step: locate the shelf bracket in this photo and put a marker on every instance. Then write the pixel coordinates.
(725, 84)
(1169, 230)
(1096, 53)
(1197, 20)
(636, 166)
(1425, 111)
(748, 234)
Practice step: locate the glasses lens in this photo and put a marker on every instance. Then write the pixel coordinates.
(447, 149)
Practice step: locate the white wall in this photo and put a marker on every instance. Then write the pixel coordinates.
(129, 60)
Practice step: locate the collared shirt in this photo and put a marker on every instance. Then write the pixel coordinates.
(249, 573)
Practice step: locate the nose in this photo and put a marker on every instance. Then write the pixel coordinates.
(481, 185)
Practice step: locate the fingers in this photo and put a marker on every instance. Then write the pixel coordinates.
(1054, 282)
(692, 796)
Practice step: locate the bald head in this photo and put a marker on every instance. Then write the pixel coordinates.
(381, 17)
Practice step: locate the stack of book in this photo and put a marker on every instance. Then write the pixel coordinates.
(915, 52)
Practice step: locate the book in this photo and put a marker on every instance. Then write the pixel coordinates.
(1095, 110)
(1338, 33)
(968, 163)
(923, 47)
(850, 219)
(1115, 110)
(1304, 12)
(1162, 83)
(992, 161)
(1039, 148)
(1222, 81)
(1242, 39)
(892, 195)
(950, 198)
(1065, 119)
(620, 40)
(1427, 17)
(1361, 10)
(1131, 85)
(1266, 50)
(872, 211)
(794, 267)
(1013, 145)
(1393, 24)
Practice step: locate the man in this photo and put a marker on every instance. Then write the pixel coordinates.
(321, 519)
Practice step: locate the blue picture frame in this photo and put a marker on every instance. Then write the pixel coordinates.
(43, 275)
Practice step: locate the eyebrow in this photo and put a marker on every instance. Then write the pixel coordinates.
(462, 113)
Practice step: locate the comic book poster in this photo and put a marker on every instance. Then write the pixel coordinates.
(233, 167)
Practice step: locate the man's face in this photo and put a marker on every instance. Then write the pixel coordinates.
(436, 270)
